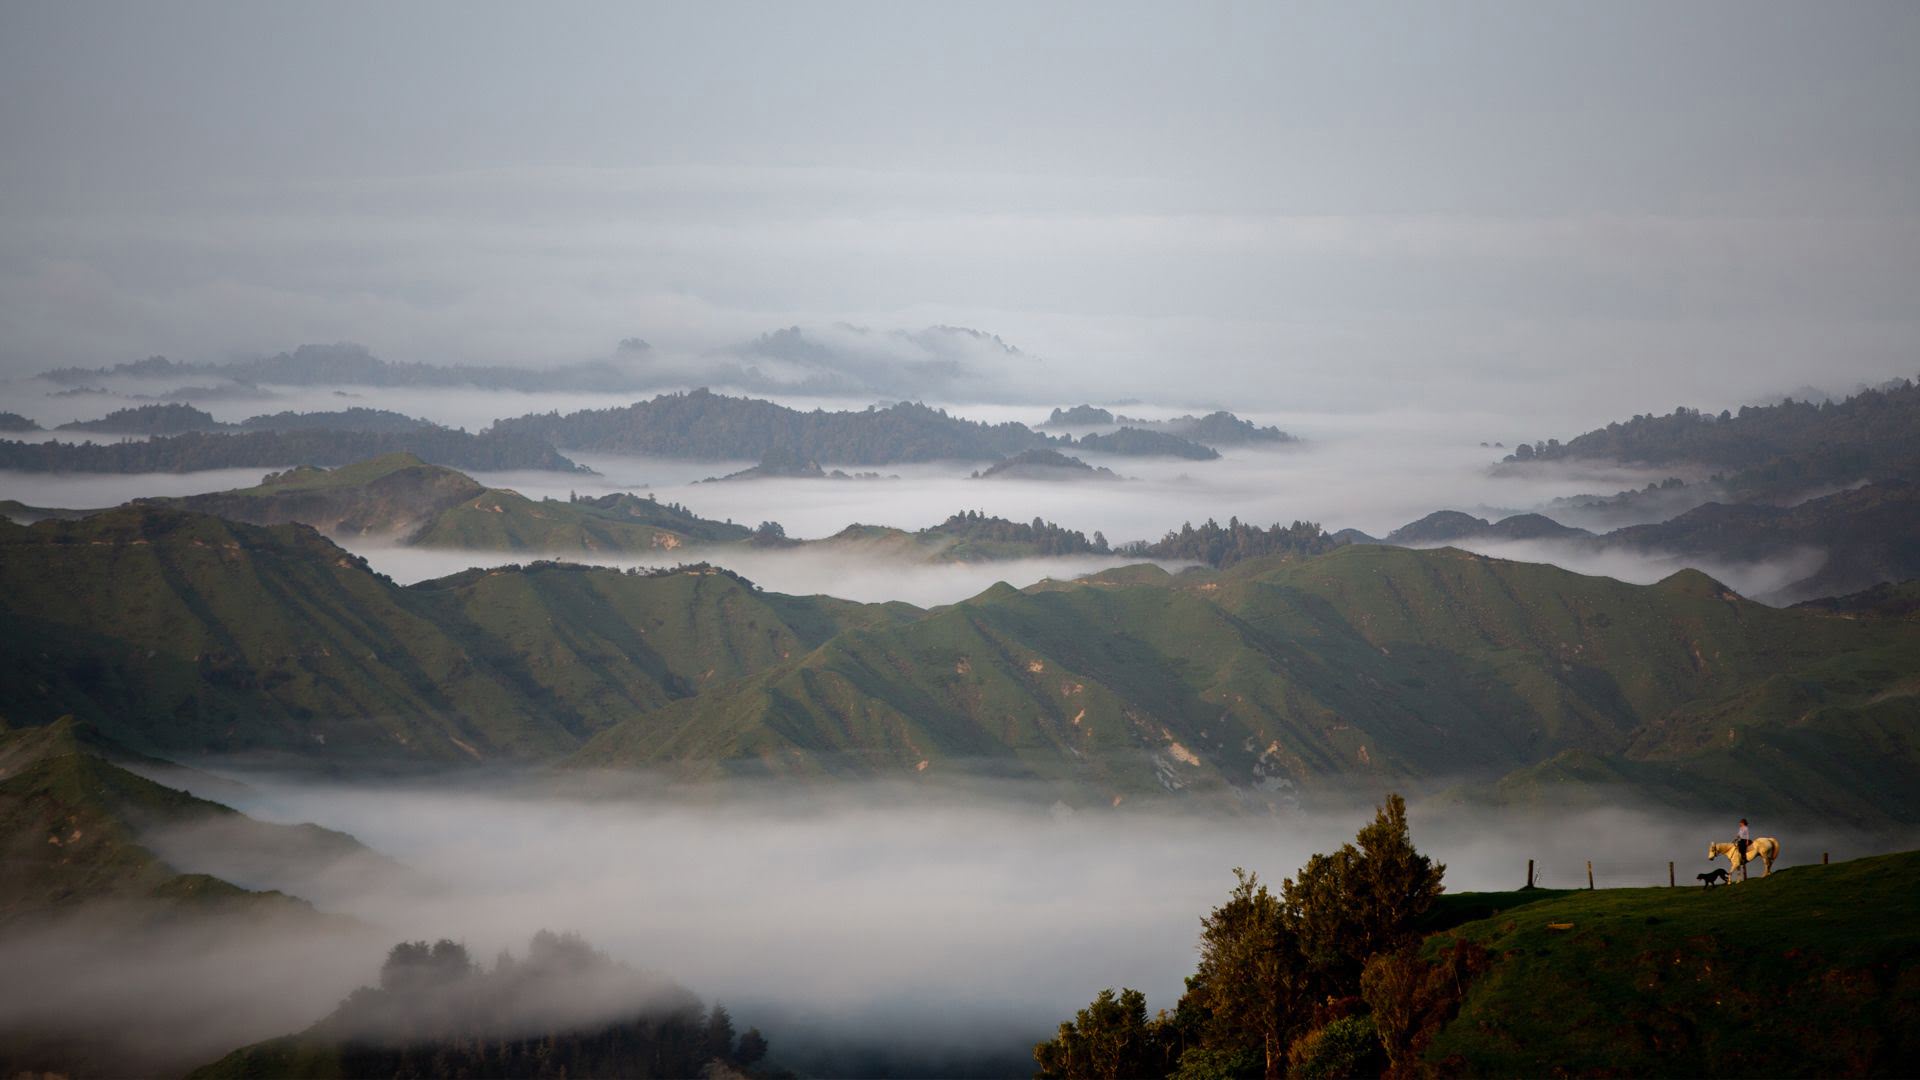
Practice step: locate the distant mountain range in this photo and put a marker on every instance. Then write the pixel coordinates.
(705, 425)
(176, 419)
(1789, 449)
(184, 439)
(1280, 678)
(1867, 535)
(836, 360)
(280, 449)
(402, 499)
(355, 365)
(1214, 429)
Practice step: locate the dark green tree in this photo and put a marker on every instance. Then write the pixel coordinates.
(1110, 1039)
(1251, 981)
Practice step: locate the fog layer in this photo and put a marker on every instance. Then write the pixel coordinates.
(826, 917)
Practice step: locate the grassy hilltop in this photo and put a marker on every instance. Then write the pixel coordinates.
(1814, 971)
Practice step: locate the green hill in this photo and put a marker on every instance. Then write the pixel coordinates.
(716, 427)
(1279, 677)
(74, 828)
(402, 497)
(118, 963)
(1814, 971)
(395, 494)
(1284, 675)
(179, 632)
(1768, 450)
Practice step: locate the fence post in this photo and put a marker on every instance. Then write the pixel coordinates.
(1529, 873)
(1823, 858)
(1669, 873)
(1589, 873)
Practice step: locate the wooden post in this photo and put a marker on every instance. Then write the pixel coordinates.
(1823, 858)
(1669, 873)
(1529, 873)
(1589, 873)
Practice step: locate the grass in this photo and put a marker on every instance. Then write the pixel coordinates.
(1814, 970)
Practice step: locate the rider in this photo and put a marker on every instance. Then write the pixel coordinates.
(1741, 839)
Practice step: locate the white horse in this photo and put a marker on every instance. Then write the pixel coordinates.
(1765, 848)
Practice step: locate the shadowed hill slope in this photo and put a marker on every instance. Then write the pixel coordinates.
(1275, 676)
(75, 826)
(179, 632)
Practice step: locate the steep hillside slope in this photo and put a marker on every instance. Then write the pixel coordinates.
(74, 828)
(175, 631)
(179, 632)
(1276, 675)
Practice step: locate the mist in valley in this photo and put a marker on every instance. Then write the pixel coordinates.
(861, 927)
(1368, 471)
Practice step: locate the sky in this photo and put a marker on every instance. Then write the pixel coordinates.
(1339, 206)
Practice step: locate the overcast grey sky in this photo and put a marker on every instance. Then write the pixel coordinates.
(1301, 206)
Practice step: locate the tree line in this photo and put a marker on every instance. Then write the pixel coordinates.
(1766, 449)
(279, 449)
(556, 1012)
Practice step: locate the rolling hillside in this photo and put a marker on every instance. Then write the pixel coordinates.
(1810, 972)
(1281, 676)
(75, 828)
(401, 497)
(1855, 539)
(179, 632)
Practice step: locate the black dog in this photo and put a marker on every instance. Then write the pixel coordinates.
(1718, 877)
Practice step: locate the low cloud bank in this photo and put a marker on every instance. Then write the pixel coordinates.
(853, 925)
(1762, 580)
(847, 575)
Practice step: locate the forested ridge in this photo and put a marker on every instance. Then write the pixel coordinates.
(1766, 449)
(193, 450)
(562, 1009)
(702, 424)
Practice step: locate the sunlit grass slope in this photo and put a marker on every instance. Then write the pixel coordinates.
(1814, 971)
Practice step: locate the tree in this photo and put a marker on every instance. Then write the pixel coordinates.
(1393, 884)
(752, 1047)
(1362, 899)
(1109, 1039)
(1412, 999)
(720, 1032)
(414, 965)
(1251, 978)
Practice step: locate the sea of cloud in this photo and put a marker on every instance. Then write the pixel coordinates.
(1372, 471)
(863, 921)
